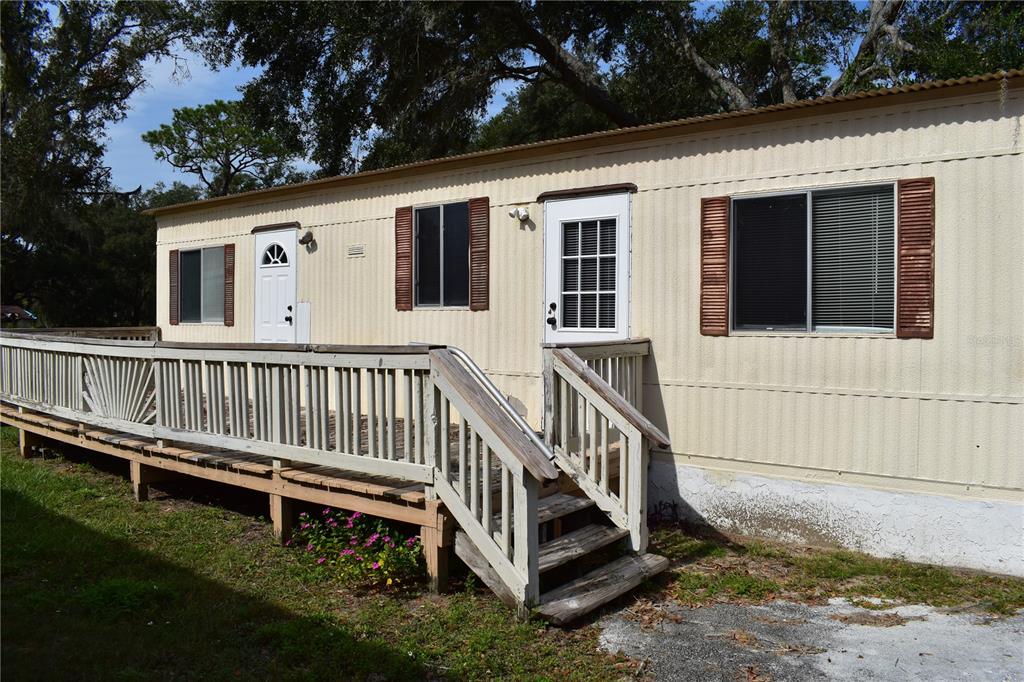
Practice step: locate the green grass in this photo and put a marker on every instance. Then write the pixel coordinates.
(693, 588)
(717, 569)
(97, 586)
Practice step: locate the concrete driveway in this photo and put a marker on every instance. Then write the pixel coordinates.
(787, 641)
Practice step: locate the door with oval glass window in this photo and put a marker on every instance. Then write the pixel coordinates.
(586, 269)
(275, 314)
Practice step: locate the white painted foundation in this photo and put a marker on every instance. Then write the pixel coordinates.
(950, 531)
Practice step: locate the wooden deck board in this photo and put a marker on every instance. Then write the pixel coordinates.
(218, 458)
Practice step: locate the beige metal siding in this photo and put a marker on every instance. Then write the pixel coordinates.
(945, 415)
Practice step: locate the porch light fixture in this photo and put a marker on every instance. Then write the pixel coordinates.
(522, 214)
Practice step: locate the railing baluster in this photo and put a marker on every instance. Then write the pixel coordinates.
(445, 423)
(371, 411)
(407, 426)
(488, 492)
(391, 416)
(462, 457)
(506, 512)
(357, 412)
(474, 478)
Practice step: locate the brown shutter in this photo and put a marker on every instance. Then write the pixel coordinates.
(479, 253)
(714, 266)
(403, 258)
(915, 273)
(172, 289)
(229, 285)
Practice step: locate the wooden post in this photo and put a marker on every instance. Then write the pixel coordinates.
(435, 540)
(282, 517)
(637, 491)
(549, 396)
(142, 475)
(527, 543)
(29, 443)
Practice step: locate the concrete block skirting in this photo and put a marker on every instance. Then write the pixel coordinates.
(937, 529)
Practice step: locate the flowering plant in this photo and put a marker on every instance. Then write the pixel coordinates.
(361, 548)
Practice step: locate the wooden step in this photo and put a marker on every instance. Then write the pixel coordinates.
(578, 598)
(558, 505)
(550, 508)
(578, 543)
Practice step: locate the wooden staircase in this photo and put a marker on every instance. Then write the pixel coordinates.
(591, 519)
(584, 561)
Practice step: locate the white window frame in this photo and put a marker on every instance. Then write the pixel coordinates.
(416, 257)
(809, 329)
(202, 262)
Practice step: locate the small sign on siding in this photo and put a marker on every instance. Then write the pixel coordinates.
(356, 250)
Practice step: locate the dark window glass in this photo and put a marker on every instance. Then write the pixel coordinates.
(456, 254)
(190, 275)
(770, 262)
(428, 256)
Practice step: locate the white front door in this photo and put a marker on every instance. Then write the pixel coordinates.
(275, 313)
(586, 269)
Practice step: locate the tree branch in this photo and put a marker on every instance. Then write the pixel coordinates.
(676, 35)
(881, 23)
(777, 19)
(569, 70)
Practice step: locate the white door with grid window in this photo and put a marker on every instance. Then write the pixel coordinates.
(586, 269)
(275, 313)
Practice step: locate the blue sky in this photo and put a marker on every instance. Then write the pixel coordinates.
(131, 160)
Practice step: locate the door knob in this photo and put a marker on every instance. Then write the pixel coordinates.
(552, 320)
(288, 319)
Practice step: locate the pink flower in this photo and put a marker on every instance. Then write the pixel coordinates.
(347, 551)
(376, 565)
(411, 541)
(321, 560)
(349, 524)
(326, 511)
(356, 515)
(353, 540)
(288, 542)
(309, 547)
(359, 558)
(387, 538)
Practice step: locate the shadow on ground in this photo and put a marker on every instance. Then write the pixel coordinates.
(78, 604)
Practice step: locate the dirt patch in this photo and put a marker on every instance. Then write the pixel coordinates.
(878, 620)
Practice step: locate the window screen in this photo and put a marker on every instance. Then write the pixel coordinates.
(456, 255)
(201, 285)
(853, 258)
(770, 262)
(428, 256)
(442, 255)
(190, 291)
(588, 274)
(213, 284)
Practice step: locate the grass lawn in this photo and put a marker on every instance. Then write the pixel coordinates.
(714, 568)
(98, 586)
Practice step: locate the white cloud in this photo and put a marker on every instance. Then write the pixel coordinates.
(130, 159)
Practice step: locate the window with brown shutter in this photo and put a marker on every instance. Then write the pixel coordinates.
(403, 258)
(172, 289)
(442, 255)
(714, 266)
(229, 285)
(479, 253)
(915, 287)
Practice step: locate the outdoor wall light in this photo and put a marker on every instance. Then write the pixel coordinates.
(306, 238)
(522, 213)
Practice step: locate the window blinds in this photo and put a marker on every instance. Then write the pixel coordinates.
(853, 246)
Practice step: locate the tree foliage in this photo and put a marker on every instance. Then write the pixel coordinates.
(69, 69)
(224, 147)
(406, 81)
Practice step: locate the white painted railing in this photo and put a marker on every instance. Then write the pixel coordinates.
(600, 437)
(410, 412)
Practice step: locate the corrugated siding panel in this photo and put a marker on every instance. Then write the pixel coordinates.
(917, 411)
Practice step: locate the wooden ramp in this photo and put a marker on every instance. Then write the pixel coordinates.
(151, 462)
